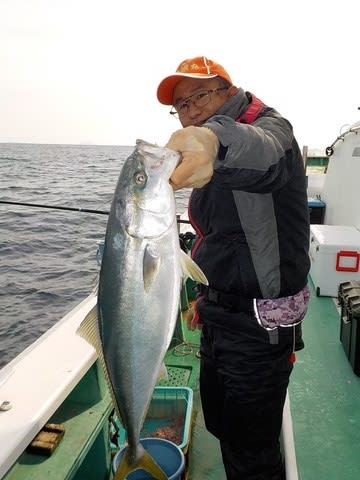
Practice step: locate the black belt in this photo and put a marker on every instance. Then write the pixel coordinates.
(229, 300)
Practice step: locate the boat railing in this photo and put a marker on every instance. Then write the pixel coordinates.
(38, 381)
(353, 129)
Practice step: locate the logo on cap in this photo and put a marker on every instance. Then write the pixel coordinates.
(185, 67)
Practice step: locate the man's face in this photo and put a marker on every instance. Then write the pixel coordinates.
(196, 100)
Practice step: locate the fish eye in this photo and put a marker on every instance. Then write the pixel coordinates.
(140, 178)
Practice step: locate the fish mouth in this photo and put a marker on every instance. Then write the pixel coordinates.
(156, 157)
(150, 209)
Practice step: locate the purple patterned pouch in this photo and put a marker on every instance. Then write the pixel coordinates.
(282, 312)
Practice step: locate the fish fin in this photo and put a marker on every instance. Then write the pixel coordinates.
(151, 265)
(145, 462)
(163, 373)
(191, 269)
(89, 331)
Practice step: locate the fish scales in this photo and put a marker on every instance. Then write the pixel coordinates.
(139, 290)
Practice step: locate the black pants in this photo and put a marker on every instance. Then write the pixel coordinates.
(243, 385)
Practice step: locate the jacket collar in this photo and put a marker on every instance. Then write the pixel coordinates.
(235, 106)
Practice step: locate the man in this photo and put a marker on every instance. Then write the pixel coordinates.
(249, 210)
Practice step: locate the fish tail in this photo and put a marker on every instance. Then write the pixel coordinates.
(145, 462)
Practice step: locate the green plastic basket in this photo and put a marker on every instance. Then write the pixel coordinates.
(168, 417)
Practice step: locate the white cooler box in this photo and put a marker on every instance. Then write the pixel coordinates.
(335, 256)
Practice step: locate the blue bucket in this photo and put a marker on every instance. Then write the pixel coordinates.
(166, 454)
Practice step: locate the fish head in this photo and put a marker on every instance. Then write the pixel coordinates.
(148, 202)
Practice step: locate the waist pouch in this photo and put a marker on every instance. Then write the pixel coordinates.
(270, 313)
(282, 312)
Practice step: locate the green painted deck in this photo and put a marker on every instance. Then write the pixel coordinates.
(325, 405)
(203, 456)
(325, 399)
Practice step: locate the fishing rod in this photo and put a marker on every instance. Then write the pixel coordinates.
(56, 207)
(72, 209)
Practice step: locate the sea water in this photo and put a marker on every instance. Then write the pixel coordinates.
(47, 256)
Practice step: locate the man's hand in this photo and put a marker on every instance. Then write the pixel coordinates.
(192, 318)
(198, 147)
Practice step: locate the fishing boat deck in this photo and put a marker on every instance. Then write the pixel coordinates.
(203, 455)
(324, 397)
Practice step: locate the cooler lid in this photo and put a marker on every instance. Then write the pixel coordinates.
(335, 237)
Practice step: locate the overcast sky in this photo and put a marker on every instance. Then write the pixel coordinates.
(85, 71)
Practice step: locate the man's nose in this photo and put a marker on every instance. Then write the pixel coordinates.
(194, 111)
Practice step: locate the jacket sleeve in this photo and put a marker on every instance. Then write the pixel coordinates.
(256, 158)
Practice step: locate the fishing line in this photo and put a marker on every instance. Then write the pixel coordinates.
(71, 209)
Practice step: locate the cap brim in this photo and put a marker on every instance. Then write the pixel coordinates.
(165, 91)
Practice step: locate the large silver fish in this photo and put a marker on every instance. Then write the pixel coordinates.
(139, 289)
